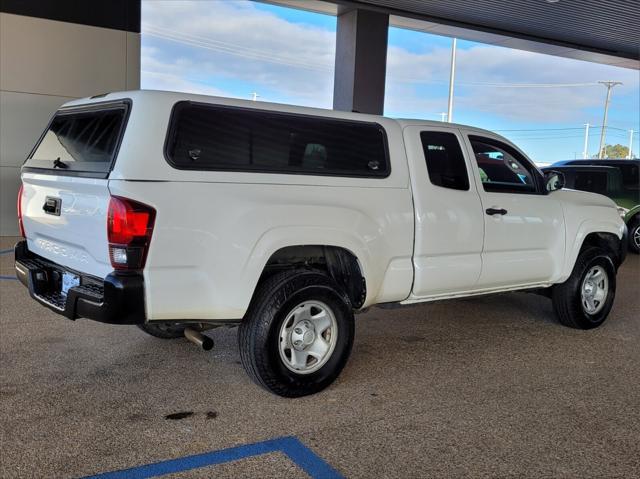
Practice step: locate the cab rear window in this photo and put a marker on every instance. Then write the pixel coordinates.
(82, 140)
(212, 137)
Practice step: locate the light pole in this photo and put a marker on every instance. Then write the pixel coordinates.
(609, 84)
(585, 149)
(452, 77)
(630, 155)
(254, 96)
(443, 116)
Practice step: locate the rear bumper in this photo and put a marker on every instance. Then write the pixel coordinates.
(118, 299)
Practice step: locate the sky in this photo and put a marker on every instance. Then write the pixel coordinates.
(234, 48)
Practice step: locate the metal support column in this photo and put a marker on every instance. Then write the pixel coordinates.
(361, 61)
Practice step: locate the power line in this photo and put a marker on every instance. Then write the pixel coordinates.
(529, 85)
(257, 54)
(614, 128)
(562, 129)
(540, 129)
(232, 49)
(524, 138)
(546, 138)
(494, 84)
(591, 134)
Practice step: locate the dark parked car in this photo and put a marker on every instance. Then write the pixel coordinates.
(617, 179)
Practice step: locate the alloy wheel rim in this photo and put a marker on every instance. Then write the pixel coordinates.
(594, 291)
(308, 337)
(636, 236)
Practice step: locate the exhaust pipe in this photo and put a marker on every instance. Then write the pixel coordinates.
(196, 337)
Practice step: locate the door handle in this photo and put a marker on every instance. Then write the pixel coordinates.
(496, 211)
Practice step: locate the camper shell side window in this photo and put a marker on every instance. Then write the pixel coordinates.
(224, 138)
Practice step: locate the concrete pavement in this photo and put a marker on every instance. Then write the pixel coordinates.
(482, 387)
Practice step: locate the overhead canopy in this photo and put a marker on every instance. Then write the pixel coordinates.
(601, 31)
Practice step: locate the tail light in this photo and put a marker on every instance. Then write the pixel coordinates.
(20, 224)
(129, 229)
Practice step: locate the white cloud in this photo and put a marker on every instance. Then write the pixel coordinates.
(237, 41)
(495, 65)
(485, 63)
(158, 75)
(216, 45)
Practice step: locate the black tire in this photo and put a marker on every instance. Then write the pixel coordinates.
(259, 333)
(634, 233)
(567, 297)
(163, 330)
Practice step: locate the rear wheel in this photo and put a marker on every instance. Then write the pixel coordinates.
(634, 234)
(584, 300)
(164, 330)
(297, 335)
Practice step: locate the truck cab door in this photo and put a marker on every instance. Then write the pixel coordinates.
(523, 225)
(449, 220)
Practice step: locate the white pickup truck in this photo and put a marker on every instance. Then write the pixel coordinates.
(179, 213)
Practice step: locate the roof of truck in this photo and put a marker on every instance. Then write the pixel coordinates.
(439, 124)
(180, 96)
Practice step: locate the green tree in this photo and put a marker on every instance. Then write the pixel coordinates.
(614, 151)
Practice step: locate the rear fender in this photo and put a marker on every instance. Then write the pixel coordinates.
(282, 237)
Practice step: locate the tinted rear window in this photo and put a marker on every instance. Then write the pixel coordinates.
(630, 176)
(630, 171)
(210, 137)
(80, 141)
(595, 182)
(445, 161)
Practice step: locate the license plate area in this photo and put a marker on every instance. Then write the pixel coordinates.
(52, 281)
(69, 280)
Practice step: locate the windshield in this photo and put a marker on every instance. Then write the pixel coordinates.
(80, 141)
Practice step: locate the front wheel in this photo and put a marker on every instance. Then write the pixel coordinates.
(297, 334)
(584, 300)
(634, 235)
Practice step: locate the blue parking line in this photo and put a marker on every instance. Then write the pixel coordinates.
(300, 454)
(7, 251)
(308, 461)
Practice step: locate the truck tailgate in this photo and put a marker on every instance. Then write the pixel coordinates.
(65, 220)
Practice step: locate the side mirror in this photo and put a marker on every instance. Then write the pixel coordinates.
(553, 180)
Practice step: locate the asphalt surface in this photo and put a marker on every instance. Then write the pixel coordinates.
(482, 387)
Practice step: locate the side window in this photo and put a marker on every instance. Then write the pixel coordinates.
(630, 176)
(595, 182)
(445, 161)
(213, 137)
(502, 168)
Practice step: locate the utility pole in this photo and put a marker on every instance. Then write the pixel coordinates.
(452, 77)
(609, 84)
(585, 149)
(630, 156)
